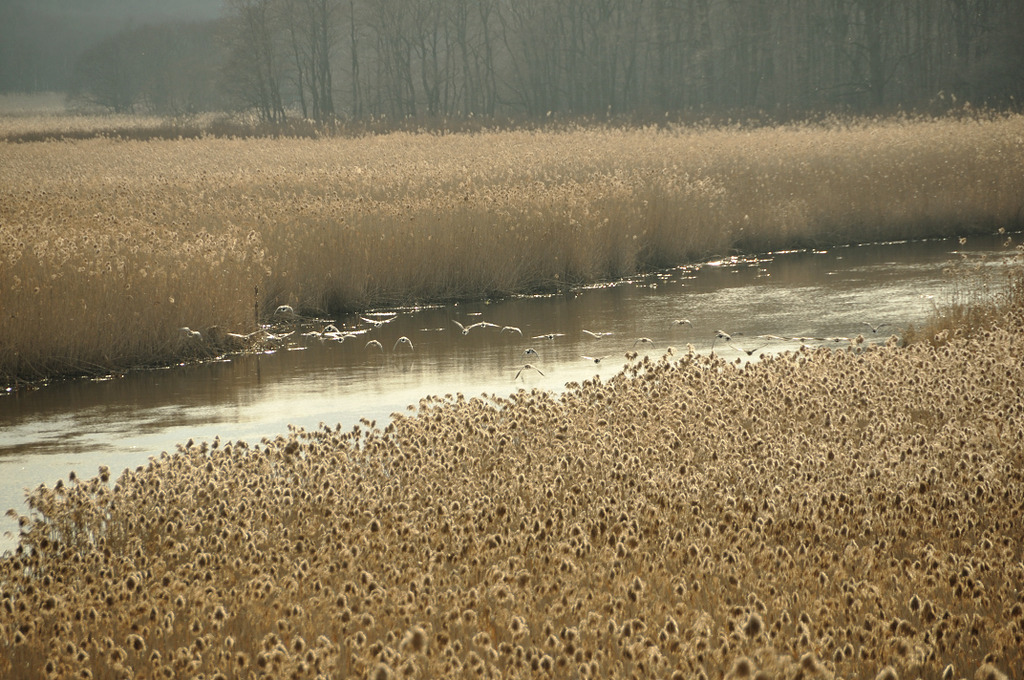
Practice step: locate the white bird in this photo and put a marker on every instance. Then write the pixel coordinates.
(873, 327)
(375, 343)
(596, 336)
(527, 367)
(720, 335)
(276, 337)
(331, 332)
(377, 323)
(548, 336)
(748, 352)
(595, 360)
(284, 310)
(683, 322)
(511, 329)
(189, 333)
(240, 338)
(402, 341)
(529, 351)
(644, 341)
(479, 324)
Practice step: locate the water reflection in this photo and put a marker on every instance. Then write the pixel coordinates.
(81, 425)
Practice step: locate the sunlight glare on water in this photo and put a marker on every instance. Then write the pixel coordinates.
(82, 424)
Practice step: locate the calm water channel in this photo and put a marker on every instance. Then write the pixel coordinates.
(80, 425)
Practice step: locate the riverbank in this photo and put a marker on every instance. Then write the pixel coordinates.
(823, 513)
(112, 247)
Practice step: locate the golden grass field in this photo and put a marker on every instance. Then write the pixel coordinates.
(822, 513)
(109, 246)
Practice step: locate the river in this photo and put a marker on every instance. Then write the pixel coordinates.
(841, 292)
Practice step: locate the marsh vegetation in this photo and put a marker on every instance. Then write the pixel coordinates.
(819, 514)
(110, 247)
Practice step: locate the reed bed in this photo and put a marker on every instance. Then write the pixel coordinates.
(98, 236)
(818, 514)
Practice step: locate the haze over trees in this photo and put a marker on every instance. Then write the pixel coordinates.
(325, 59)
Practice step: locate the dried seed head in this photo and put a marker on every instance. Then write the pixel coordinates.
(988, 671)
(742, 668)
(754, 626)
(887, 673)
(415, 640)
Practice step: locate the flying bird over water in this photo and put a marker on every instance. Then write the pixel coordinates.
(595, 360)
(402, 341)
(377, 323)
(683, 322)
(526, 367)
(644, 341)
(284, 310)
(548, 336)
(511, 329)
(596, 335)
(376, 344)
(720, 335)
(874, 328)
(479, 324)
(748, 352)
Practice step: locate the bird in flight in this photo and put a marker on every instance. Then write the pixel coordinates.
(683, 322)
(511, 329)
(402, 341)
(377, 323)
(376, 344)
(644, 341)
(720, 335)
(527, 367)
(284, 310)
(748, 352)
(596, 335)
(479, 324)
(548, 336)
(595, 360)
(874, 328)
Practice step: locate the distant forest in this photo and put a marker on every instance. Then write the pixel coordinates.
(330, 59)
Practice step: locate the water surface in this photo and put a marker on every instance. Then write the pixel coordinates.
(80, 425)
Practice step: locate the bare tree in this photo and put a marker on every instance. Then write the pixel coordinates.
(253, 69)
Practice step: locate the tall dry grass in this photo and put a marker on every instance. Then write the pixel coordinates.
(979, 294)
(341, 224)
(819, 514)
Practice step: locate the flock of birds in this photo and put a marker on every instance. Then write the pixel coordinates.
(404, 343)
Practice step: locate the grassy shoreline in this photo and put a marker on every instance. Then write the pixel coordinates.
(110, 247)
(818, 514)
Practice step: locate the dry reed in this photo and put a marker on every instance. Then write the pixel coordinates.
(820, 513)
(98, 236)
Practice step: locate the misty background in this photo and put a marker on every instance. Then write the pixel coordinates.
(400, 59)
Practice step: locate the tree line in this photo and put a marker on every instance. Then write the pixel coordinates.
(332, 59)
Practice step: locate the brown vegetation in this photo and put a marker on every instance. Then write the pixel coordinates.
(818, 514)
(108, 247)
